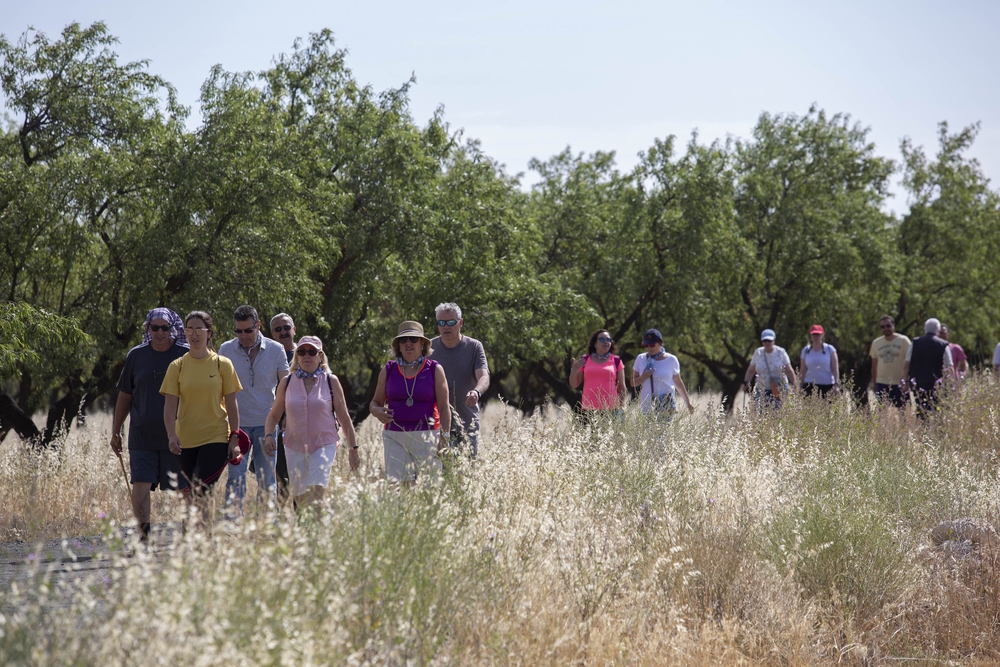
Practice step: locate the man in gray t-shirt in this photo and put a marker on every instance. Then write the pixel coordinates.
(464, 363)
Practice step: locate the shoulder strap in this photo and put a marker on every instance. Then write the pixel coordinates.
(333, 408)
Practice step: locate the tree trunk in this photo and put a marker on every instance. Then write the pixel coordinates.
(12, 417)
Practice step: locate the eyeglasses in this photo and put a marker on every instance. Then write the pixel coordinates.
(279, 329)
(200, 330)
(307, 352)
(246, 331)
(409, 339)
(159, 327)
(604, 339)
(447, 323)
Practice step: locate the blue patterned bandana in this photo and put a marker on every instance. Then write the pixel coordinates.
(173, 319)
(299, 373)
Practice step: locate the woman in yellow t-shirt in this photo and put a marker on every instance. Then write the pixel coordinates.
(200, 410)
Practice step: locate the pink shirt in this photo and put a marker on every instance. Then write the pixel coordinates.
(600, 384)
(309, 420)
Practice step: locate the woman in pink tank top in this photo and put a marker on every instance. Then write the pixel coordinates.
(602, 373)
(314, 406)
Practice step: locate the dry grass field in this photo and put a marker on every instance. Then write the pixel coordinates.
(802, 538)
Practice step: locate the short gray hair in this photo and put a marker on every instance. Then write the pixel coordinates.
(282, 315)
(932, 326)
(448, 305)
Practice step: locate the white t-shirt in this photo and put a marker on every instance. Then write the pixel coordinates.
(664, 370)
(771, 365)
(996, 355)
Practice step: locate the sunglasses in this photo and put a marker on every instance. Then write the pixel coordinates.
(284, 327)
(604, 339)
(447, 323)
(200, 330)
(159, 327)
(650, 344)
(246, 331)
(410, 339)
(307, 352)
(885, 326)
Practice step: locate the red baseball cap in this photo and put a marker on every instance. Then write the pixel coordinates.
(816, 329)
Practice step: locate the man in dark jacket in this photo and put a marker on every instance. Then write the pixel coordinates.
(927, 361)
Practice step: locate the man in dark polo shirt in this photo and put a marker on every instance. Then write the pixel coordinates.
(927, 361)
(151, 462)
(464, 363)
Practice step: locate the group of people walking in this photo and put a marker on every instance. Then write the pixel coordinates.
(273, 406)
(899, 366)
(195, 412)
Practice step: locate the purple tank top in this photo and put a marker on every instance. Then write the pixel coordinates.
(422, 414)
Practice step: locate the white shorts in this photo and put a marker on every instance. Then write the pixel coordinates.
(305, 470)
(409, 452)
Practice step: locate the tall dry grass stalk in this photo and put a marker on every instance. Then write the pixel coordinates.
(800, 538)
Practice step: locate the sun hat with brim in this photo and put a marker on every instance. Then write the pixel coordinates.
(310, 340)
(767, 334)
(244, 447)
(410, 328)
(816, 329)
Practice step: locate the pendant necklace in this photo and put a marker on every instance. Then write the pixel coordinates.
(410, 390)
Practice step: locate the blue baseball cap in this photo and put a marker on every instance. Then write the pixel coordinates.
(767, 334)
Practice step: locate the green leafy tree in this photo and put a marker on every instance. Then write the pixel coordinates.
(950, 241)
(82, 185)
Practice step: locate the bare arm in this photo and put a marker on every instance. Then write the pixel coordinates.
(344, 418)
(377, 406)
(170, 403)
(790, 374)
(441, 396)
(122, 406)
(835, 369)
(620, 385)
(576, 372)
(750, 374)
(874, 371)
(482, 384)
(679, 383)
(803, 367)
(906, 376)
(233, 413)
(273, 417)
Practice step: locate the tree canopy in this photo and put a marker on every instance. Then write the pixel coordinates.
(304, 191)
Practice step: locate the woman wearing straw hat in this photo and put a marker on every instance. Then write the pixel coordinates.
(314, 405)
(200, 411)
(818, 365)
(411, 399)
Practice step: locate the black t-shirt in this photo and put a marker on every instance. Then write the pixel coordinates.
(142, 376)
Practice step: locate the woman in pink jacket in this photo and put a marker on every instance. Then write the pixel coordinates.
(314, 405)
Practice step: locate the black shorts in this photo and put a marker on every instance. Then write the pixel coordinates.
(202, 465)
(809, 387)
(158, 467)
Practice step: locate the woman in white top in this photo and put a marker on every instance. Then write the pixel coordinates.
(819, 365)
(657, 374)
(772, 368)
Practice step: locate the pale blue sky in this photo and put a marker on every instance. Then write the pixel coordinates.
(530, 78)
